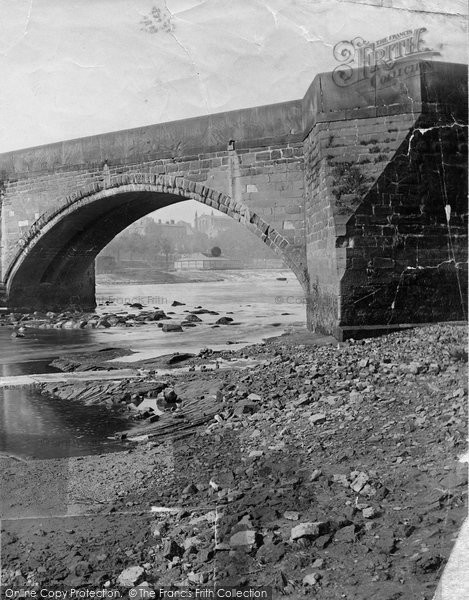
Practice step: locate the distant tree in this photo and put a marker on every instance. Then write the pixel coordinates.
(238, 242)
(167, 249)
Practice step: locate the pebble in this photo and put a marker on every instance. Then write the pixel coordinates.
(317, 419)
(291, 515)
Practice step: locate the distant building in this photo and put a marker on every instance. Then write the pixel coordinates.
(212, 225)
(176, 232)
(202, 262)
(188, 226)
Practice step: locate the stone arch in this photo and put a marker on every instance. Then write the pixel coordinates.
(56, 257)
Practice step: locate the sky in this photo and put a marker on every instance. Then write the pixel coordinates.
(81, 67)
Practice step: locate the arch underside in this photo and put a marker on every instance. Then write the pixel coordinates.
(55, 269)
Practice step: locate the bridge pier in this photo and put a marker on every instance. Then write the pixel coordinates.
(75, 292)
(386, 203)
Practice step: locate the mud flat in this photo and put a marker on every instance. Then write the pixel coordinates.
(326, 471)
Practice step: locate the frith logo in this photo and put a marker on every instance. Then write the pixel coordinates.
(362, 60)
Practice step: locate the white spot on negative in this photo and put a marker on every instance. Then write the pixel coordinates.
(448, 212)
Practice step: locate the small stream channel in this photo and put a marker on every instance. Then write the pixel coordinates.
(34, 425)
(38, 426)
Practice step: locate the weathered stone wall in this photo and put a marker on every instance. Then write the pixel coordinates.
(408, 259)
(343, 159)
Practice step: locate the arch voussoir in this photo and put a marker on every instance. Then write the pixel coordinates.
(150, 183)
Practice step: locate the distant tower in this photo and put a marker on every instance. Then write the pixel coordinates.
(195, 222)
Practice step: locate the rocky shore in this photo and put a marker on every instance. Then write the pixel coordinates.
(327, 471)
(138, 315)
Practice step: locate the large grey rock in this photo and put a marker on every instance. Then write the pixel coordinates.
(346, 534)
(130, 576)
(158, 315)
(244, 539)
(311, 579)
(224, 321)
(245, 407)
(308, 529)
(359, 481)
(172, 327)
(103, 322)
(171, 549)
(192, 319)
(170, 395)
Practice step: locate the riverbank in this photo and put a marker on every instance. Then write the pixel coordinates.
(324, 470)
(155, 276)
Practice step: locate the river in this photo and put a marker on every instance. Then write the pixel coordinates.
(262, 303)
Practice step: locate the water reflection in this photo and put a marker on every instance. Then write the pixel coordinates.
(35, 425)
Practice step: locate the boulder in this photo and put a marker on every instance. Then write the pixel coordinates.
(189, 490)
(171, 549)
(245, 407)
(309, 529)
(311, 579)
(346, 534)
(192, 319)
(359, 481)
(170, 395)
(291, 515)
(103, 322)
(130, 576)
(224, 321)
(152, 419)
(158, 315)
(172, 327)
(247, 539)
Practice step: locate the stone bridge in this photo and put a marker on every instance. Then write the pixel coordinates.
(361, 189)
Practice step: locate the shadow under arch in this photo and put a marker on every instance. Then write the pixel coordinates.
(54, 268)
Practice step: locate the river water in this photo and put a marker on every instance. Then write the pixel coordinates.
(262, 303)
